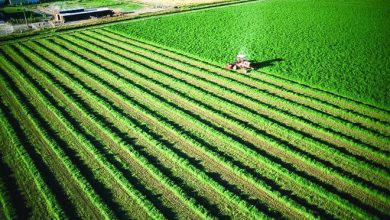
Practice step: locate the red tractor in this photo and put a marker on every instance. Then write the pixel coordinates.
(241, 64)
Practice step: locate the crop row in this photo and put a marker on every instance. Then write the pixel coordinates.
(117, 58)
(156, 172)
(281, 31)
(95, 51)
(26, 192)
(349, 107)
(108, 78)
(123, 118)
(75, 58)
(170, 70)
(280, 87)
(40, 74)
(62, 43)
(137, 195)
(267, 100)
(6, 205)
(281, 94)
(50, 200)
(139, 157)
(244, 100)
(192, 147)
(141, 108)
(70, 147)
(329, 102)
(8, 212)
(69, 164)
(84, 110)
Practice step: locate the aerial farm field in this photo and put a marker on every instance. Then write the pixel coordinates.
(140, 120)
(339, 47)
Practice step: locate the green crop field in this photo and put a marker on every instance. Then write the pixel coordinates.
(338, 46)
(107, 124)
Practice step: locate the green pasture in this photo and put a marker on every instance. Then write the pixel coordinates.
(336, 46)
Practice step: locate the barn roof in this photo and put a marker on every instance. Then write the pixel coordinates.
(88, 11)
(72, 10)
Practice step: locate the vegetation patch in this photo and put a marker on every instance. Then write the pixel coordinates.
(84, 110)
(100, 124)
(340, 47)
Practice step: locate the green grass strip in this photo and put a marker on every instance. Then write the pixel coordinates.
(6, 206)
(142, 160)
(63, 43)
(136, 195)
(247, 176)
(179, 159)
(312, 146)
(54, 208)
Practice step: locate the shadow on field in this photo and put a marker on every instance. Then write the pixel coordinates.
(155, 199)
(49, 178)
(15, 193)
(258, 65)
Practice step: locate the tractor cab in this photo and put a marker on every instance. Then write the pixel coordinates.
(241, 64)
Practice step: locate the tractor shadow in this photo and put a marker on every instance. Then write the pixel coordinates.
(267, 63)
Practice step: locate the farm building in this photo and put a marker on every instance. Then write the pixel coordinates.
(18, 2)
(81, 14)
